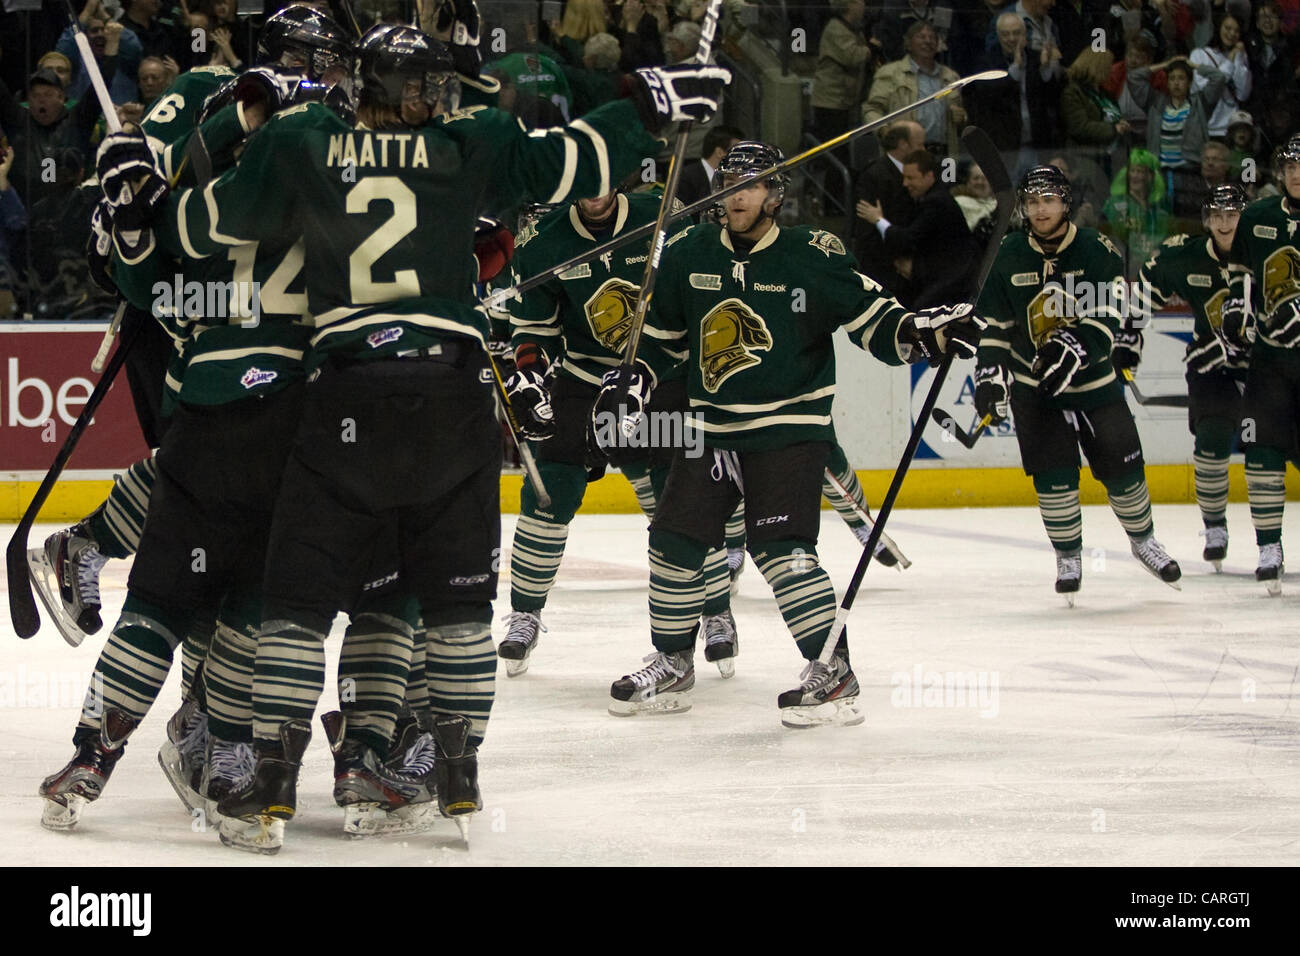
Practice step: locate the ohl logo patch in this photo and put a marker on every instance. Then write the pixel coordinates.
(1281, 277)
(727, 335)
(609, 312)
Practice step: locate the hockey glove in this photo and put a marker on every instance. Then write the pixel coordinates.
(684, 93)
(531, 403)
(993, 393)
(271, 88)
(494, 247)
(1127, 351)
(133, 185)
(1238, 324)
(1206, 354)
(1057, 362)
(99, 247)
(456, 23)
(943, 329)
(1284, 324)
(617, 412)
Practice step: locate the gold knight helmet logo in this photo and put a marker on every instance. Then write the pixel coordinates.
(1281, 277)
(1214, 309)
(609, 312)
(727, 334)
(1051, 307)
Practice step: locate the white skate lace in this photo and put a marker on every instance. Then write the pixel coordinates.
(1069, 566)
(1215, 537)
(233, 762)
(1270, 555)
(88, 564)
(735, 558)
(815, 676)
(718, 629)
(661, 665)
(419, 757)
(1150, 553)
(195, 734)
(522, 626)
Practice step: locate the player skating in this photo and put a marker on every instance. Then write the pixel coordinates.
(1046, 360)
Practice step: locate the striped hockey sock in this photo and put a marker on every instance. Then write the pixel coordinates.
(461, 669)
(735, 531)
(676, 590)
(849, 507)
(288, 676)
(374, 666)
(417, 685)
(134, 663)
(1058, 504)
(535, 557)
(1266, 489)
(116, 524)
(803, 592)
(1131, 503)
(1211, 488)
(644, 487)
(194, 649)
(228, 683)
(717, 582)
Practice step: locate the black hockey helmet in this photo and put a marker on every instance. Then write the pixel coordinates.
(389, 55)
(1289, 152)
(750, 158)
(300, 35)
(1229, 197)
(1043, 181)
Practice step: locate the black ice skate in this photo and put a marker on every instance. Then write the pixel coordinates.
(827, 696)
(227, 767)
(522, 636)
(376, 797)
(1271, 568)
(1216, 545)
(253, 817)
(65, 574)
(86, 774)
(663, 686)
(456, 770)
(184, 753)
(1155, 559)
(721, 643)
(1069, 574)
(882, 555)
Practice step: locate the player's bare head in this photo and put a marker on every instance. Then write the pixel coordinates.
(304, 39)
(597, 210)
(404, 77)
(1286, 165)
(1044, 195)
(746, 207)
(1222, 212)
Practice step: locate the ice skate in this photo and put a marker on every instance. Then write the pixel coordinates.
(253, 817)
(721, 643)
(826, 696)
(1216, 545)
(523, 630)
(65, 574)
(1271, 568)
(882, 555)
(379, 798)
(83, 780)
(1069, 574)
(456, 771)
(184, 753)
(661, 687)
(735, 564)
(1155, 559)
(228, 766)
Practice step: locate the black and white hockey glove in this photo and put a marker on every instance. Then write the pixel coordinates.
(99, 247)
(1284, 324)
(457, 23)
(993, 393)
(1238, 324)
(1206, 354)
(530, 401)
(1058, 361)
(684, 93)
(617, 412)
(132, 182)
(940, 330)
(1127, 351)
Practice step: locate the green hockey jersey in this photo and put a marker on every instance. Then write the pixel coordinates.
(1266, 248)
(581, 318)
(1029, 294)
(388, 216)
(758, 330)
(172, 120)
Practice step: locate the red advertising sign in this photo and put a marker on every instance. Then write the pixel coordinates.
(45, 379)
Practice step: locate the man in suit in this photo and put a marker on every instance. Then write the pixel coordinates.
(880, 184)
(697, 176)
(937, 241)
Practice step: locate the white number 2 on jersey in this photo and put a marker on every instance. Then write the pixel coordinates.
(405, 282)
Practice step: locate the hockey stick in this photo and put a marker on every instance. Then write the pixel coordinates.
(22, 604)
(986, 156)
(1165, 401)
(525, 453)
(949, 424)
(865, 518)
(498, 298)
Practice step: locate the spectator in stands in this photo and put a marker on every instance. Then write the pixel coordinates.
(41, 127)
(637, 32)
(1089, 188)
(898, 16)
(974, 36)
(534, 79)
(13, 219)
(937, 243)
(599, 79)
(974, 194)
(1140, 52)
(681, 41)
(223, 14)
(1226, 52)
(117, 51)
(60, 64)
(697, 175)
(1092, 121)
(1243, 146)
(1192, 187)
(1205, 14)
(153, 77)
(1177, 120)
(1075, 20)
(880, 185)
(1128, 18)
(1135, 215)
(57, 236)
(1271, 55)
(843, 59)
(582, 20)
(157, 36)
(916, 75)
(1040, 28)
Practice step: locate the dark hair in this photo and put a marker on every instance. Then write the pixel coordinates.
(719, 137)
(1215, 40)
(896, 135)
(922, 159)
(1182, 65)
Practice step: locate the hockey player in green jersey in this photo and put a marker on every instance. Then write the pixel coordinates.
(576, 325)
(399, 427)
(1054, 301)
(755, 307)
(1262, 317)
(1195, 268)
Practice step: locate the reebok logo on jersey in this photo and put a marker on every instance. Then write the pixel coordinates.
(774, 519)
(769, 286)
(1265, 232)
(384, 336)
(701, 280)
(256, 376)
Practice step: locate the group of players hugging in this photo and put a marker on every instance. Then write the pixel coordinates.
(340, 449)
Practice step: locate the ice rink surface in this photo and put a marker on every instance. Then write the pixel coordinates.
(1143, 727)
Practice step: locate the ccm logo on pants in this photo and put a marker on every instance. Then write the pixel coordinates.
(774, 519)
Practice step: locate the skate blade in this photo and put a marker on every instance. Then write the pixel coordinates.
(1218, 566)
(46, 585)
(1273, 587)
(835, 713)
(1176, 585)
(169, 758)
(660, 704)
(259, 834)
(59, 817)
(370, 819)
(516, 668)
(1069, 598)
(726, 667)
